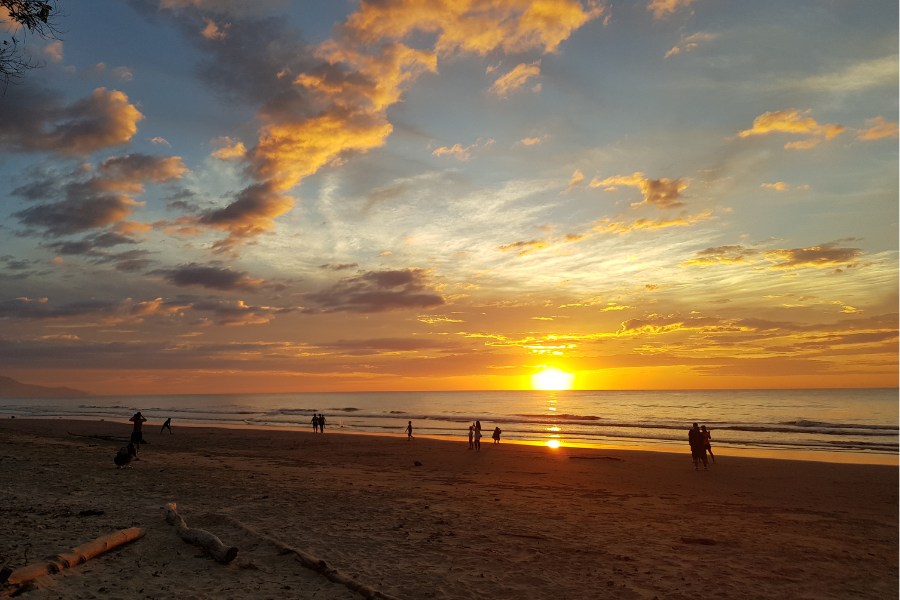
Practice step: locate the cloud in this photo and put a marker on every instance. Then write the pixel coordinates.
(318, 105)
(160, 141)
(516, 79)
(781, 186)
(54, 51)
(691, 42)
(214, 31)
(229, 149)
(721, 255)
(456, 151)
(474, 27)
(878, 128)
(379, 291)
(35, 121)
(857, 77)
(86, 208)
(252, 213)
(217, 278)
(664, 193)
(621, 227)
(461, 153)
(828, 255)
(533, 141)
(93, 199)
(663, 8)
(143, 167)
(232, 313)
(793, 121)
(523, 248)
(575, 180)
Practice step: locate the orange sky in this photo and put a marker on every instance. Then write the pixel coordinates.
(402, 195)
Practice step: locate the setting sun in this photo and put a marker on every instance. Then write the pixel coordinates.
(552, 378)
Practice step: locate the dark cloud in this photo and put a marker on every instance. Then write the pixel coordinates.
(339, 267)
(237, 312)
(218, 278)
(143, 167)
(37, 120)
(379, 291)
(77, 213)
(250, 214)
(828, 255)
(88, 200)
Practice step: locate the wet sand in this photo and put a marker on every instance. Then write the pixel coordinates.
(433, 519)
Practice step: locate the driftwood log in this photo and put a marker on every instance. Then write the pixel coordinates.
(200, 537)
(67, 560)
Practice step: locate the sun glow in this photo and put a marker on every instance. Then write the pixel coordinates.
(551, 378)
(553, 443)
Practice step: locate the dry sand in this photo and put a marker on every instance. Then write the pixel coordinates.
(432, 519)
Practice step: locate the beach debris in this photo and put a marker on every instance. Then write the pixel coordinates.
(317, 564)
(200, 537)
(14, 580)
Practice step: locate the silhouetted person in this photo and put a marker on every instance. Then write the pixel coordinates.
(409, 435)
(322, 423)
(698, 452)
(496, 435)
(137, 434)
(167, 425)
(477, 435)
(315, 423)
(471, 436)
(706, 445)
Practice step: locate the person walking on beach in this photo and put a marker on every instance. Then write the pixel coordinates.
(496, 435)
(698, 452)
(315, 423)
(477, 436)
(409, 435)
(167, 425)
(706, 445)
(471, 436)
(137, 432)
(321, 423)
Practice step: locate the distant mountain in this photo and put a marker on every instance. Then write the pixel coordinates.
(10, 388)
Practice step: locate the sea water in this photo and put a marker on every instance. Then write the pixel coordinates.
(822, 420)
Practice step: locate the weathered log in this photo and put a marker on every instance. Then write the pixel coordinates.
(76, 556)
(200, 537)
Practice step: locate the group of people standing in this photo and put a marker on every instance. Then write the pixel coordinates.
(699, 440)
(318, 423)
(475, 435)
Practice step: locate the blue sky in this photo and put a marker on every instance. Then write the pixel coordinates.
(202, 196)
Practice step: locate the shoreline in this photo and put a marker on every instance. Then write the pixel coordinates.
(824, 456)
(428, 519)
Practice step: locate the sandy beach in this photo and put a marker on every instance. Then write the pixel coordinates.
(433, 519)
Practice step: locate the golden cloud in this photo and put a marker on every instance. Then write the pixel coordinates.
(664, 193)
(878, 128)
(516, 78)
(793, 121)
(621, 228)
(513, 26)
(523, 248)
(664, 8)
(230, 149)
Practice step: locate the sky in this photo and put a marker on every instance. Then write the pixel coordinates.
(216, 196)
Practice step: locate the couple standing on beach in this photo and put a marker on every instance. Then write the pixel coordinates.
(318, 423)
(699, 440)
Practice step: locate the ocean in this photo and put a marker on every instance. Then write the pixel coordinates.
(822, 423)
